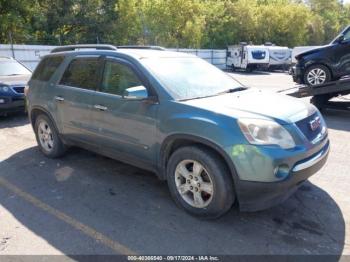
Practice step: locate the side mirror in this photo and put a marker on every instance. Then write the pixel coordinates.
(136, 93)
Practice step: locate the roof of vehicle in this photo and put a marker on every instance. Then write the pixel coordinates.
(146, 53)
(134, 51)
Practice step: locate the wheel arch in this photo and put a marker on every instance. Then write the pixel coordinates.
(36, 111)
(323, 63)
(173, 142)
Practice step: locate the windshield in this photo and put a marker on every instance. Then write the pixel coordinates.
(189, 78)
(12, 67)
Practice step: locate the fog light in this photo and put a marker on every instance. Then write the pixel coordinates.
(2, 101)
(281, 171)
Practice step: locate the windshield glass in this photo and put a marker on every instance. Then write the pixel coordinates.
(12, 67)
(189, 78)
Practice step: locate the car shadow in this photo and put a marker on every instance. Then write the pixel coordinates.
(336, 119)
(134, 209)
(13, 120)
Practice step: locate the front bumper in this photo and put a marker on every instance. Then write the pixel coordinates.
(11, 104)
(254, 196)
(297, 74)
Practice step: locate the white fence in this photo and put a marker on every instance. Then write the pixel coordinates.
(216, 57)
(30, 55)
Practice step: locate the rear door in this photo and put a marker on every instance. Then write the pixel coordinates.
(74, 97)
(125, 127)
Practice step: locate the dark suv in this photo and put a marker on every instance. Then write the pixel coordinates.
(212, 139)
(13, 78)
(324, 64)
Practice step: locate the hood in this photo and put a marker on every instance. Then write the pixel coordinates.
(311, 51)
(254, 103)
(18, 80)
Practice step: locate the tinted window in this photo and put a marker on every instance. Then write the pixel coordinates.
(118, 77)
(82, 72)
(47, 67)
(347, 36)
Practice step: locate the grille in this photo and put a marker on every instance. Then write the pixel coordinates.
(305, 127)
(18, 89)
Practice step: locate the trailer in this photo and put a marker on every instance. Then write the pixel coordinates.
(322, 94)
(247, 57)
(280, 57)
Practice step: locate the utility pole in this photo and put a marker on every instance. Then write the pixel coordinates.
(11, 43)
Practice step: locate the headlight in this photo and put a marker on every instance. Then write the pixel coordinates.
(4, 89)
(266, 132)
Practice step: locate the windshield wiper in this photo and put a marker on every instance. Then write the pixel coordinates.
(13, 74)
(231, 90)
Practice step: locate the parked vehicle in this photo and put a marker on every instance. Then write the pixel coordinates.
(247, 57)
(213, 140)
(300, 49)
(280, 57)
(13, 78)
(324, 64)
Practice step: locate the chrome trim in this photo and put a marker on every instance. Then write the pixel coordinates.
(312, 161)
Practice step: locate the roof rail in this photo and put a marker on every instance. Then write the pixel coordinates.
(151, 47)
(88, 46)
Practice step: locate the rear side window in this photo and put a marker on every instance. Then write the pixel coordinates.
(47, 68)
(82, 73)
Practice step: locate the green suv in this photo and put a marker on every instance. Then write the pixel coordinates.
(213, 140)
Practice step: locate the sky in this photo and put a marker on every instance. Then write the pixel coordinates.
(346, 1)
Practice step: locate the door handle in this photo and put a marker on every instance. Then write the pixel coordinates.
(99, 107)
(59, 98)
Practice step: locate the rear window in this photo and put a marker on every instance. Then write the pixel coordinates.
(82, 73)
(47, 68)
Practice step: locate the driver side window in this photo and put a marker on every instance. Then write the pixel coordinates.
(347, 36)
(117, 78)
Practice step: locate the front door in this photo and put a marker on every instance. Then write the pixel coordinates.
(125, 127)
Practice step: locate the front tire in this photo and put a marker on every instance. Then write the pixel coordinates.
(199, 182)
(317, 75)
(47, 137)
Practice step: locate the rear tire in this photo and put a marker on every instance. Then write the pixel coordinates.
(317, 75)
(47, 137)
(200, 182)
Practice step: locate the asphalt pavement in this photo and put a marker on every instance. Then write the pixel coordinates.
(85, 204)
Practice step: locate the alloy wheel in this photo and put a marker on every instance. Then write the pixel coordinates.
(45, 136)
(316, 76)
(194, 183)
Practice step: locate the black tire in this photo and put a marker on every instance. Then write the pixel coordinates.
(233, 68)
(328, 76)
(58, 148)
(223, 188)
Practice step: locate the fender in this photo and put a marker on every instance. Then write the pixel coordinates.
(44, 111)
(168, 141)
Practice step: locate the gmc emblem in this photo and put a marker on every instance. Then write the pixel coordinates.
(316, 123)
